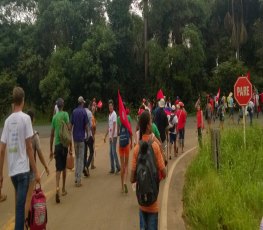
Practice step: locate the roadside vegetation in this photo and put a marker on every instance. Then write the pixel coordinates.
(232, 197)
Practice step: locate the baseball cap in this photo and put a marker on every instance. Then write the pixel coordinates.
(81, 100)
(60, 102)
(161, 103)
(181, 104)
(173, 108)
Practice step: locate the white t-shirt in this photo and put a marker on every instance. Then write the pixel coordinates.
(112, 119)
(17, 129)
(89, 114)
(173, 122)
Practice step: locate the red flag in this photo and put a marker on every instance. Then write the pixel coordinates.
(99, 104)
(160, 95)
(218, 95)
(123, 116)
(248, 75)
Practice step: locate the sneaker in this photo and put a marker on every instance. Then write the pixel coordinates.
(86, 173)
(111, 172)
(64, 192)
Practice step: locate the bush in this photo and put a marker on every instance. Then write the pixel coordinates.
(231, 198)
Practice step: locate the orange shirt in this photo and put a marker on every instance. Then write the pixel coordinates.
(160, 166)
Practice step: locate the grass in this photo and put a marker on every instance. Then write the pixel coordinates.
(231, 198)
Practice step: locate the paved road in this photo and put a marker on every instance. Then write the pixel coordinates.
(99, 203)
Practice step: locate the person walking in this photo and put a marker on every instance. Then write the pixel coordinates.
(148, 214)
(37, 152)
(60, 151)
(125, 145)
(112, 132)
(89, 142)
(200, 123)
(162, 124)
(208, 115)
(173, 121)
(16, 139)
(230, 102)
(250, 110)
(221, 114)
(182, 115)
(94, 126)
(80, 123)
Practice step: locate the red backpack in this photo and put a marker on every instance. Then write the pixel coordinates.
(37, 216)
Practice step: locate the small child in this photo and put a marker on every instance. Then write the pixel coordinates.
(200, 123)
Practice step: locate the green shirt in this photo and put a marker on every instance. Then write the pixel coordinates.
(119, 120)
(155, 131)
(56, 124)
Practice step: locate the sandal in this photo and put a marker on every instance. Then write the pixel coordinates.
(57, 198)
(125, 188)
(64, 193)
(3, 198)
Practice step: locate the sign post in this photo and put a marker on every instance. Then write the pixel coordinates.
(243, 94)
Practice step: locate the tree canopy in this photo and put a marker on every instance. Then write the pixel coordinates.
(67, 48)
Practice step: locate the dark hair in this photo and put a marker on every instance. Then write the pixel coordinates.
(18, 95)
(144, 120)
(31, 114)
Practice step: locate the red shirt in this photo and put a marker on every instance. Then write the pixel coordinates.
(181, 114)
(200, 119)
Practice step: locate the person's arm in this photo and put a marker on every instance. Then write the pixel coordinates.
(106, 134)
(2, 158)
(30, 155)
(52, 134)
(160, 162)
(40, 154)
(134, 163)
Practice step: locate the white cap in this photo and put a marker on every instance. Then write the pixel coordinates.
(81, 100)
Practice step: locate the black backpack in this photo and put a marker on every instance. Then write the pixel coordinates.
(147, 186)
(124, 136)
(171, 122)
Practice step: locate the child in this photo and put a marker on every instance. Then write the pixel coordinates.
(200, 123)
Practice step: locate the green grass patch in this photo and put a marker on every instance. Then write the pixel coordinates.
(231, 198)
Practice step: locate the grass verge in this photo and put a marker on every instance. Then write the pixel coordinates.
(231, 198)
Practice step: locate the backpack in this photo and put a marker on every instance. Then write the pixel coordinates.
(147, 186)
(64, 134)
(171, 129)
(37, 215)
(124, 136)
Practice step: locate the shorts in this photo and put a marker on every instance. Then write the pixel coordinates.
(124, 151)
(231, 110)
(172, 138)
(61, 157)
(181, 134)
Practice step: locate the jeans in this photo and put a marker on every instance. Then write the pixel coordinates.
(148, 221)
(250, 117)
(79, 160)
(88, 144)
(113, 155)
(21, 183)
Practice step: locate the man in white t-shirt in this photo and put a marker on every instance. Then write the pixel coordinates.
(16, 139)
(112, 132)
(173, 121)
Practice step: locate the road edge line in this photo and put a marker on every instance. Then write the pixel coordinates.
(164, 206)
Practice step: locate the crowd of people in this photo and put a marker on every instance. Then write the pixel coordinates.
(160, 131)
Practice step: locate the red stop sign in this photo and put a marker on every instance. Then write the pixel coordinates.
(243, 91)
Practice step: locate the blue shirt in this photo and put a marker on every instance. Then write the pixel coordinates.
(79, 120)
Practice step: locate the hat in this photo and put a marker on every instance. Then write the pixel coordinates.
(161, 103)
(60, 102)
(173, 108)
(81, 100)
(181, 104)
